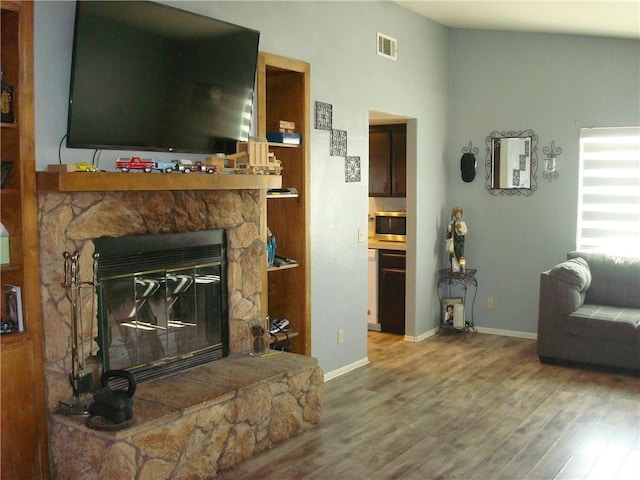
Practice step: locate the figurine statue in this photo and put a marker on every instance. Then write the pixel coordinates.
(457, 230)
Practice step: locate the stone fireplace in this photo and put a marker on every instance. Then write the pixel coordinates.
(194, 424)
(70, 222)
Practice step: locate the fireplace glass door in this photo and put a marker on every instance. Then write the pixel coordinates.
(162, 302)
(158, 315)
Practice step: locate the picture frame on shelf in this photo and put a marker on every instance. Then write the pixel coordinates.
(6, 100)
(13, 306)
(448, 308)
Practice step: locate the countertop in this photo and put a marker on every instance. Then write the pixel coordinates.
(384, 245)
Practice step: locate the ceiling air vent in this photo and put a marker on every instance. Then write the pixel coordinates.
(387, 46)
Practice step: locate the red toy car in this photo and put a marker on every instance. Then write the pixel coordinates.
(135, 163)
(200, 166)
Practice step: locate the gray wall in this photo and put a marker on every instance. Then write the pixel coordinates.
(457, 86)
(555, 85)
(338, 39)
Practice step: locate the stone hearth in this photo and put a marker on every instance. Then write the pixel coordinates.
(193, 425)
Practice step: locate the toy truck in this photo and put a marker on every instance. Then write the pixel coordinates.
(254, 157)
(221, 164)
(166, 167)
(72, 167)
(135, 163)
(200, 166)
(184, 166)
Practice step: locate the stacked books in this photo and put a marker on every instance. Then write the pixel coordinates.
(283, 131)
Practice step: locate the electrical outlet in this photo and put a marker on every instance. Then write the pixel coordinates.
(340, 336)
(490, 303)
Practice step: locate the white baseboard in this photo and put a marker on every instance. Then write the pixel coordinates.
(489, 331)
(420, 337)
(365, 361)
(507, 333)
(346, 369)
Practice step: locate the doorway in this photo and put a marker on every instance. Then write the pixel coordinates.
(399, 200)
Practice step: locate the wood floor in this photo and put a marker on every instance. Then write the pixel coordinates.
(476, 408)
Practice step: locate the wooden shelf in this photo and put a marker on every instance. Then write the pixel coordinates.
(282, 195)
(7, 267)
(9, 191)
(285, 145)
(281, 337)
(283, 267)
(11, 338)
(133, 181)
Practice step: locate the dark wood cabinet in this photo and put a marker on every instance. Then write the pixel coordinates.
(387, 160)
(391, 290)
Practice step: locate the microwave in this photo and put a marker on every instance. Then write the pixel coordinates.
(391, 226)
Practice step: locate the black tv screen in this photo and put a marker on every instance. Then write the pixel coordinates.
(145, 76)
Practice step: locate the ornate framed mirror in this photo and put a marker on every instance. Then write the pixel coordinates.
(511, 163)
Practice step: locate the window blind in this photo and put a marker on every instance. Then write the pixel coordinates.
(609, 191)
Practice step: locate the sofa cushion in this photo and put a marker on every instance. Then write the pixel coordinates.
(606, 323)
(574, 272)
(570, 280)
(616, 280)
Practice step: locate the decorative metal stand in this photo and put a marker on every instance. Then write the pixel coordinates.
(80, 377)
(463, 280)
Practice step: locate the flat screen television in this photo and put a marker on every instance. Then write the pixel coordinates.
(146, 76)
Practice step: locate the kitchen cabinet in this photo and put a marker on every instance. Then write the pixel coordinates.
(283, 95)
(391, 290)
(24, 432)
(388, 160)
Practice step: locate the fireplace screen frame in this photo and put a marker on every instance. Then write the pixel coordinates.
(202, 252)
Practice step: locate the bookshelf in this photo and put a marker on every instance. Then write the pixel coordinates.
(23, 434)
(283, 94)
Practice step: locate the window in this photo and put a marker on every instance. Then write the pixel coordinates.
(609, 191)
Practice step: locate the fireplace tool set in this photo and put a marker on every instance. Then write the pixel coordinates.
(81, 377)
(108, 409)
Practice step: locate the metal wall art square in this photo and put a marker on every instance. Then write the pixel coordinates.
(324, 114)
(352, 169)
(338, 143)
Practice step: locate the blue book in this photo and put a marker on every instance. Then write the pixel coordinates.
(281, 137)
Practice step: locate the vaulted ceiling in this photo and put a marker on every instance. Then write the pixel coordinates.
(579, 17)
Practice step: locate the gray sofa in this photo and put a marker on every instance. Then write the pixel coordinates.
(590, 311)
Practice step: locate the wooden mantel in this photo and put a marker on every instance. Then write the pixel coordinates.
(132, 181)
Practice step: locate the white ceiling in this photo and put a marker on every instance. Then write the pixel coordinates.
(580, 17)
